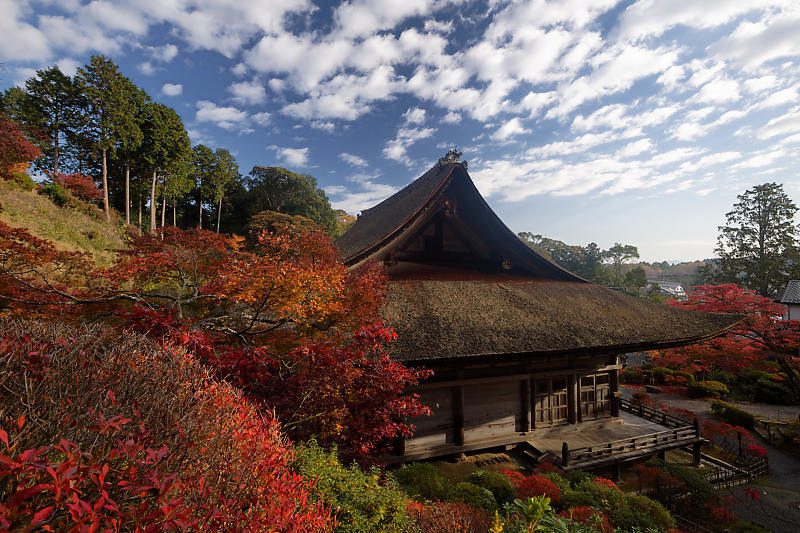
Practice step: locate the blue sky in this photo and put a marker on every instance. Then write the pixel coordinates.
(584, 120)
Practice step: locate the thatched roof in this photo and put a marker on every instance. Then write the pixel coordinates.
(438, 319)
(377, 222)
(456, 310)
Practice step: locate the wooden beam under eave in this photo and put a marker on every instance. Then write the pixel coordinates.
(458, 415)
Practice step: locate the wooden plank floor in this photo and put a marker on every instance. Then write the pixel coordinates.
(592, 433)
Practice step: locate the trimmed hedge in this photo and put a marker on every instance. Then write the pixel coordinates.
(423, 481)
(733, 415)
(702, 389)
(474, 495)
(498, 484)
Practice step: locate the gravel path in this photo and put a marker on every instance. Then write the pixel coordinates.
(779, 506)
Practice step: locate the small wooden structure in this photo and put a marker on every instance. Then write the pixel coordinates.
(517, 344)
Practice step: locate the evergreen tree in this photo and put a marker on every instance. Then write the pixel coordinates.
(110, 116)
(758, 244)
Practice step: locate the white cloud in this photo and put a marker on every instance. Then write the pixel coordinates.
(248, 93)
(414, 115)
(368, 194)
(353, 159)
(753, 43)
(452, 118)
(397, 148)
(165, 53)
(510, 129)
(784, 124)
(294, 157)
(171, 89)
(228, 118)
(262, 119)
(68, 66)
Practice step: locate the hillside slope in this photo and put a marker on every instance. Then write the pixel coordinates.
(78, 228)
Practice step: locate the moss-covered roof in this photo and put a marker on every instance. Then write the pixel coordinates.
(441, 319)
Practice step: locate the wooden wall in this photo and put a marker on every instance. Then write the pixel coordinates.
(472, 413)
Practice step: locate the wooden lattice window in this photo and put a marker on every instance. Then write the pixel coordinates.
(595, 393)
(550, 401)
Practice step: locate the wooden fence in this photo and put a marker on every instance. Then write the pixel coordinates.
(640, 445)
(654, 415)
(723, 477)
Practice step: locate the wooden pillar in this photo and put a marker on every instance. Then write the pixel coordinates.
(458, 414)
(696, 453)
(572, 401)
(662, 455)
(525, 405)
(564, 455)
(613, 382)
(616, 471)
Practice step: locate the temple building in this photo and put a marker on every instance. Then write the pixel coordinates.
(522, 350)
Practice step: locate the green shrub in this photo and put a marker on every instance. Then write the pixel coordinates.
(498, 484)
(56, 193)
(702, 389)
(21, 180)
(769, 389)
(732, 414)
(473, 495)
(691, 477)
(561, 482)
(625, 511)
(640, 511)
(363, 501)
(577, 476)
(424, 481)
(746, 527)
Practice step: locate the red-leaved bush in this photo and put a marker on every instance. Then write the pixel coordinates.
(534, 485)
(448, 517)
(80, 185)
(103, 430)
(589, 516)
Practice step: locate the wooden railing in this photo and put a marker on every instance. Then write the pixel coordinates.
(733, 476)
(648, 413)
(642, 444)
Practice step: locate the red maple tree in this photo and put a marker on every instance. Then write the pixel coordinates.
(80, 185)
(15, 149)
(761, 339)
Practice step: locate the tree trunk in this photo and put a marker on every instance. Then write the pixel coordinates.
(219, 212)
(55, 151)
(200, 220)
(163, 210)
(140, 210)
(128, 190)
(106, 207)
(175, 214)
(153, 203)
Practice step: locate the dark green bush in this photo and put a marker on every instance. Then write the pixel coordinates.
(56, 193)
(702, 389)
(21, 180)
(474, 495)
(746, 527)
(640, 511)
(625, 511)
(691, 477)
(498, 484)
(732, 414)
(577, 476)
(362, 501)
(770, 389)
(424, 481)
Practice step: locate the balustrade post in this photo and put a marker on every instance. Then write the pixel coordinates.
(564, 455)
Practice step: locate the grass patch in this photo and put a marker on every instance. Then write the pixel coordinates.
(76, 227)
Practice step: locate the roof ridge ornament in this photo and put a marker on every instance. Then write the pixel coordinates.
(452, 156)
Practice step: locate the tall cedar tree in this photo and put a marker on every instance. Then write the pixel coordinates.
(758, 244)
(203, 166)
(166, 147)
(131, 136)
(51, 110)
(111, 115)
(226, 171)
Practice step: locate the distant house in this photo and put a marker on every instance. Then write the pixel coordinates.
(790, 298)
(522, 350)
(672, 289)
